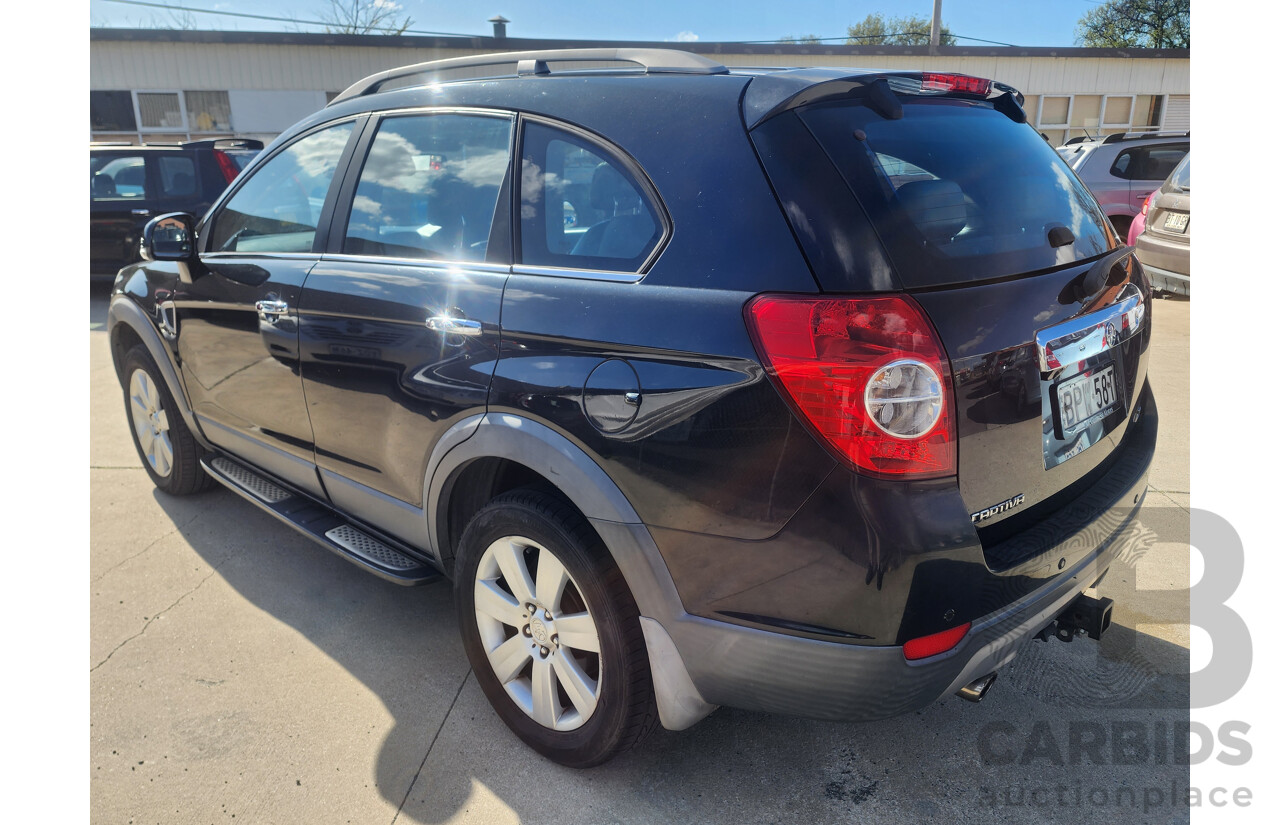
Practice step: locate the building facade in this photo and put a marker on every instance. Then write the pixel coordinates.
(165, 86)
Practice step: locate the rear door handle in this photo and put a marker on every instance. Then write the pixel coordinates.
(271, 310)
(454, 326)
(141, 212)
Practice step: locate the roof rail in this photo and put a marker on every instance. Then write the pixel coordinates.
(1118, 137)
(653, 61)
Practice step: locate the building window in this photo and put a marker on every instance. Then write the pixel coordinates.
(111, 111)
(158, 116)
(1117, 111)
(1062, 117)
(160, 110)
(208, 111)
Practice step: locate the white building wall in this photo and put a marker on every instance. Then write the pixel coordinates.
(272, 85)
(256, 111)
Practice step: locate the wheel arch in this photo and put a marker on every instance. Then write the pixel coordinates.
(128, 326)
(487, 454)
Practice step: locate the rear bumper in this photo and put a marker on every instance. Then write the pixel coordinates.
(1167, 262)
(755, 669)
(1165, 281)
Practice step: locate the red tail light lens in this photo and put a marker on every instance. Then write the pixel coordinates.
(927, 646)
(1147, 203)
(868, 375)
(938, 82)
(226, 164)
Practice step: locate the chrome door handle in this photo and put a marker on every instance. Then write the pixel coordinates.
(141, 212)
(454, 326)
(271, 310)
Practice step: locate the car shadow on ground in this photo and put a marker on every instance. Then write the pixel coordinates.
(1038, 730)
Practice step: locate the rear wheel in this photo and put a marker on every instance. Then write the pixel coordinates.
(169, 452)
(1122, 224)
(552, 631)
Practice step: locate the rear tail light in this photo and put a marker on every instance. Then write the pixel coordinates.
(1147, 203)
(963, 83)
(226, 164)
(927, 646)
(868, 375)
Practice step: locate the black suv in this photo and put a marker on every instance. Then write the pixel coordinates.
(696, 383)
(130, 184)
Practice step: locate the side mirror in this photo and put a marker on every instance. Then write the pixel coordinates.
(170, 237)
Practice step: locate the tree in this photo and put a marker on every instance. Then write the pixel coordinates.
(365, 17)
(878, 30)
(804, 38)
(1125, 24)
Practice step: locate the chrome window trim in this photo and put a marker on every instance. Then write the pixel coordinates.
(650, 191)
(581, 274)
(289, 256)
(1087, 335)
(418, 263)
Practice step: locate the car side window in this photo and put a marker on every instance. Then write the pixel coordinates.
(1160, 161)
(429, 187)
(1126, 163)
(177, 176)
(581, 207)
(278, 208)
(117, 177)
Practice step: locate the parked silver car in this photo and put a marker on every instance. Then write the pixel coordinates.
(1164, 247)
(1121, 170)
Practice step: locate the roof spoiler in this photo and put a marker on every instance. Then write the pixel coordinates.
(770, 95)
(225, 143)
(534, 63)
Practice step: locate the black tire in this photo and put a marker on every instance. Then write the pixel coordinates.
(182, 474)
(1122, 224)
(624, 711)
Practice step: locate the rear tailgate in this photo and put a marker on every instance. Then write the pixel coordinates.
(956, 201)
(1035, 419)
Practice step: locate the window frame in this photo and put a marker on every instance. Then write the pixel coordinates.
(499, 233)
(204, 229)
(607, 150)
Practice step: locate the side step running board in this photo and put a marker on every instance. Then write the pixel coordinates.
(381, 556)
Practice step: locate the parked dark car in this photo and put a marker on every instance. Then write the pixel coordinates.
(817, 391)
(128, 185)
(1164, 247)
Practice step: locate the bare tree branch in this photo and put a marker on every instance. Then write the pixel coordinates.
(365, 17)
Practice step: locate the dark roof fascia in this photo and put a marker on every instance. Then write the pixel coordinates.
(522, 44)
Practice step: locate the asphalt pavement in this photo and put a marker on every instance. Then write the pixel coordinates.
(241, 673)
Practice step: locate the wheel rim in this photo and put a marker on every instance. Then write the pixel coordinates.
(541, 640)
(150, 422)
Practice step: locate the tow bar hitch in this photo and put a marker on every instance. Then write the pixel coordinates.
(1087, 614)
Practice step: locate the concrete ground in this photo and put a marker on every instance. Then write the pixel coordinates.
(240, 672)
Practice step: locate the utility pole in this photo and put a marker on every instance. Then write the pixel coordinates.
(935, 31)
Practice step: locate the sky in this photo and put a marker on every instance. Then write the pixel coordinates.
(1013, 22)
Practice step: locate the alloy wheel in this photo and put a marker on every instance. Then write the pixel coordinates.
(541, 640)
(150, 422)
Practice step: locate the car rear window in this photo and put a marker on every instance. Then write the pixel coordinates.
(957, 191)
(1180, 180)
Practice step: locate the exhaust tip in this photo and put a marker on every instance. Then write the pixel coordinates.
(975, 690)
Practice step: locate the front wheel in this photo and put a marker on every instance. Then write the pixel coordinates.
(552, 631)
(169, 452)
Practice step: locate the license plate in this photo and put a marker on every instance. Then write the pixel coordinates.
(1082, 399)
(1176, 222)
